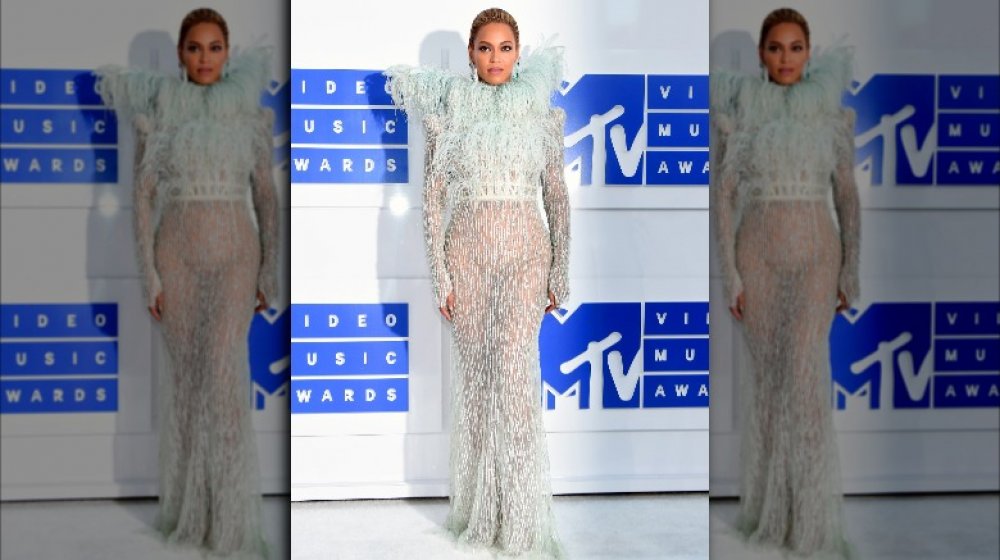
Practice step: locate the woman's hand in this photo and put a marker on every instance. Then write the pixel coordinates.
(842, 304)
(261, 302)
(449, 305)
(157, 307)
(737, 310)
(553, 305)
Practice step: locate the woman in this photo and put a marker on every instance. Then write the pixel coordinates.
(202, 144)
(493, 143)
(783, 145)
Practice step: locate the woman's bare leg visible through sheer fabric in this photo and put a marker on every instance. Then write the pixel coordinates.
(498, 255)
(207, 446)
(789, 257)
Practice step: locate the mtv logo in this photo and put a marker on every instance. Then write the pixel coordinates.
(860, 397)
(880, 353)
(570, 398)
(896, 133)
(269, 346)
(606, 124)
(277, 97)
(591, 356)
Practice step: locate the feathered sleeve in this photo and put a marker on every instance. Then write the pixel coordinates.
(132, 93)
(542, 71)
(129, 91)
(248, 75)
(435, 202)
(829, 74)
(724, 179)
(265, 201)
(845, 198)
(556, 201)
(420, 90)
(144, 210)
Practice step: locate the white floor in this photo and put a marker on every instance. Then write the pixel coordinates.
(668, 526)
(952, 527)
(107, 530)
(636, 526)
(673, 526)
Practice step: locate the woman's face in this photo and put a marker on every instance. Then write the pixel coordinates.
(494, 52)
(204, 53)
(785, 53)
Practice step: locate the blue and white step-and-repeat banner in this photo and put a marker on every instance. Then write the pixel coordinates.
(79, 354)
(624, 376)
(915, 366)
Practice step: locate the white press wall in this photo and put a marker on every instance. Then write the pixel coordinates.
(67, 244)
(915, 376)
(637, 249)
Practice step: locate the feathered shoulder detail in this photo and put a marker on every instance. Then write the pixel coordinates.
(541, 74)
(419, 90)
(820, 90)
(137, 91)
(424, 91)
(829, 75)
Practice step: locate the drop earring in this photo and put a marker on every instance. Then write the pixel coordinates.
(763, 73)
(517, 69)
(806, 70)
(472, 71)
(184, 74)
(225, 69)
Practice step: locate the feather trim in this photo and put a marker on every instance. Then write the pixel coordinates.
(419, 90)
(748, 97)
(424, 90)
(492, 140)
(134, 91)
(781, 134)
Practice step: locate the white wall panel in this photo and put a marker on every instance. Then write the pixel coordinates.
(70, 242)
(632, 244)
(927, 241)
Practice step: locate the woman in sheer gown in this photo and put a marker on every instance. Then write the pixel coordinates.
(493, 143)
(782, 146)
(203, 151)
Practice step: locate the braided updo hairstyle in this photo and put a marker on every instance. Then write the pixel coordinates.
(202, 15)
(782, 15)
(493, 15)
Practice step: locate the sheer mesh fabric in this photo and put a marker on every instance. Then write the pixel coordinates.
(497, 254)
(781, 156)
(206, 229)
(490, 152)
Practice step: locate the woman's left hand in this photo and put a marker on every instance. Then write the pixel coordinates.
(842, 304)
(552, 303)
(261, 302)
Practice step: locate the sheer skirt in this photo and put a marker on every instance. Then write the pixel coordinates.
(208, 257)
(498, 256)
(788, 254)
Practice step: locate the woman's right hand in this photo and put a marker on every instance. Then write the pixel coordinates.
(842, 304)
(737, 310)
(157, 307)
(449, 305)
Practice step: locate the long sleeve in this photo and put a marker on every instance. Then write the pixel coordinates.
(556, 201)
(435, 202)
(265, 202)
(845, 199)
(724, 204)
(132, 94)
(144, 211)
